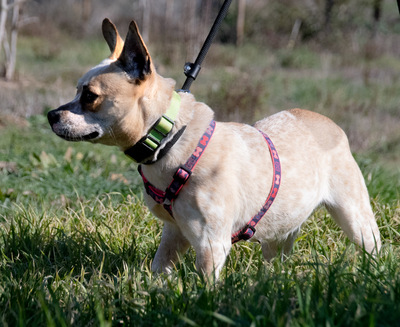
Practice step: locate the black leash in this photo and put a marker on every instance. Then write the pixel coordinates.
(191, 70)
(398, 5)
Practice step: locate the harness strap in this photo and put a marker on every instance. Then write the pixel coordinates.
(248, 231)
(182, 174)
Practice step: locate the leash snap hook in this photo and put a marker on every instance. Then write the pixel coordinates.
(191, 69)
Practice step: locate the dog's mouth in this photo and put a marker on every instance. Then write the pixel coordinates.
(69, 135)
(86, 137)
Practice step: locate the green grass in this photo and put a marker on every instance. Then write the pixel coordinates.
(77, 243)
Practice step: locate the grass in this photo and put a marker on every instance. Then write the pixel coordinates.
(77, 242)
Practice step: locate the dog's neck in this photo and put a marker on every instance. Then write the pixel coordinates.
(195, 116)
(191, 117)
(155, 140)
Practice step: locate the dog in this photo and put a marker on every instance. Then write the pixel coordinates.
(120, 101)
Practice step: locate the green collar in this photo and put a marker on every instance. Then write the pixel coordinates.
(165, 124)
(149, 144)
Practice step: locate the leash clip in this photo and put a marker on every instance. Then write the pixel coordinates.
(191, 69)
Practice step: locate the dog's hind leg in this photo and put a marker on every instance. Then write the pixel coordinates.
(359, 226)
(350, 206)
(172, 244)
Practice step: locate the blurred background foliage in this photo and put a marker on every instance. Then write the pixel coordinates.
(337, 57)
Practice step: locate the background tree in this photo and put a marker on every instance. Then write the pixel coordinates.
(9, 30)
(240, 22)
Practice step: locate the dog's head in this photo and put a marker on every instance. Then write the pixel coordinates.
(111, 105)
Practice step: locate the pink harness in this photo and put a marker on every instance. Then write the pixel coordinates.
(181, 176)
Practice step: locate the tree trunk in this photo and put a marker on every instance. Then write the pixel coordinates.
(328, 13)
(240, 22)
(294, 34)
(10, 68)
(87, 9)
(190, 36)
(146, 9)
(377, 9)
(3, 20)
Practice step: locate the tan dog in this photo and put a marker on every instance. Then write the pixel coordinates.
(119, 101)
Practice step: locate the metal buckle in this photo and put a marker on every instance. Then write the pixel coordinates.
(182, 174)
(243, 235)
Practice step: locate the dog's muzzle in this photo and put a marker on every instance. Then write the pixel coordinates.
(54, 116)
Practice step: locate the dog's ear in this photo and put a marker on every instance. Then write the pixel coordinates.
(134, 58)
(112, 37)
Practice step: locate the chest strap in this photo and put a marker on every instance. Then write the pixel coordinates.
(167, 197)
(248, 231)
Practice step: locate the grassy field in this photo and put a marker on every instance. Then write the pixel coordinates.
(77, 242)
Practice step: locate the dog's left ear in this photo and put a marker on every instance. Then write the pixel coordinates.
(134, 58)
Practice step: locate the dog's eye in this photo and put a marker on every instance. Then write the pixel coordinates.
(88, 97)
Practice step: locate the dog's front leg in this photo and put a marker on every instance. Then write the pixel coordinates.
(211, 256)
(173, 244)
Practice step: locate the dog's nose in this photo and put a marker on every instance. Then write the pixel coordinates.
(53, 116)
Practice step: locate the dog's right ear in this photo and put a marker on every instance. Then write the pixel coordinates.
(113, 39)
(135, 59)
